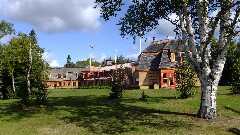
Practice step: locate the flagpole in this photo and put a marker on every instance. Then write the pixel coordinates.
(90, 59)
(115, 56)
(140, 46)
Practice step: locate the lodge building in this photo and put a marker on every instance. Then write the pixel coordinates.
(154, 68)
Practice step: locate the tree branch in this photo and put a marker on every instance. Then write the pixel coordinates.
(202, 9)
(190, 32)
(213, 28)
(235, 19)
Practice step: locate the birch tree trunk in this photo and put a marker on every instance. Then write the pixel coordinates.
(29, 70)
(13, 83)
(209, 83)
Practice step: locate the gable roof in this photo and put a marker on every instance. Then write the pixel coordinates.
(157, 55)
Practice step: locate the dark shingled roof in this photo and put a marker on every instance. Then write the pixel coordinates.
(157, 55)
(148, 61)
(71, 73)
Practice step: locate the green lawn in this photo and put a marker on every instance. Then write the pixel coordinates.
(91, 112)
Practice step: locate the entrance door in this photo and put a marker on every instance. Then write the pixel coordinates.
(167, 80)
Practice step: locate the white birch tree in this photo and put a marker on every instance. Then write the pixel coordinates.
(195, 27)
(29, 69)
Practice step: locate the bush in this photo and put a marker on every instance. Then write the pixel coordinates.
(40, 95)
(143, 96)
(236, 78)
(185, 80)
(117, 90)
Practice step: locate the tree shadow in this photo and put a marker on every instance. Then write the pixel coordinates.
(101, 115)
(234, 131)
(232, 109)
(14, 111)
(168, 98)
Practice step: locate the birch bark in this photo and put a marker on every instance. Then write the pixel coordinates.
(29, 70)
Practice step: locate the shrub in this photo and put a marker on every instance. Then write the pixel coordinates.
(143, 96)
(117, 89)
(236, 78)
(185, 80)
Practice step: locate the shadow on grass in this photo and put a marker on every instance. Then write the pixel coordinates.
(13, 111)
(234, 131)
(101, 115)
(232, 109)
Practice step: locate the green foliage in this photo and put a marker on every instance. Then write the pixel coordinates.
(233, 54)
(86, 63)
(236, 77)
(15, 66)
(40, 95)
(185, 80)
(69, 63)
(117, 88)
(121, 60)
(143, 96)
(6, 28)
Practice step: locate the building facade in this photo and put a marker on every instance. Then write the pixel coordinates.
(155, 67)
(63, 77)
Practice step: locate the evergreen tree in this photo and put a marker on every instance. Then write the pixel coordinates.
(69, 63)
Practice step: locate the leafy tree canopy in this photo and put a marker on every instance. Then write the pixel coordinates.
(195, 27)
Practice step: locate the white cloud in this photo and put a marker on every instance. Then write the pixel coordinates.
(47, 55)
(6, 39)
(53, 16)
(134, 47)
(132, 56)
(101, 58)
(165, 28)
(54, 63)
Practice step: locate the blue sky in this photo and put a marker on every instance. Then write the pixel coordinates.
(70, 26)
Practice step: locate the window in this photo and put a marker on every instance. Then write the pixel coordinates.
(164, 78)
(172, 57)
(68, 83)
(177, 57)
(171, 80)
(74, 83)
(183, 57)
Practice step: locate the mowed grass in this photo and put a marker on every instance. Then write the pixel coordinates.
(83, 112)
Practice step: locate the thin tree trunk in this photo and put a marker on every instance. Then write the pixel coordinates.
(29, 70)
(13, 83)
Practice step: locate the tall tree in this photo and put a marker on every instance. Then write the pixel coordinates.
(6, 28)
(22, 68)
(195, 27)
(69, 63)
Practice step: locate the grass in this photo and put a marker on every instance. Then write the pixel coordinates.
(91, 112)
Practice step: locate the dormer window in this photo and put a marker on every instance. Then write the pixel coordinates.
(59, 76)
(178, 57)
(184, 57)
